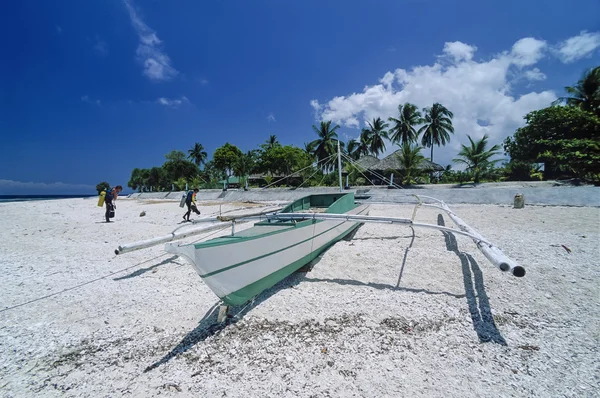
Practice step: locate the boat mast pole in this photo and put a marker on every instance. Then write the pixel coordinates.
(340, 165)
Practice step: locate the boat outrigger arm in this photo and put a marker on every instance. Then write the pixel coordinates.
(493, 253)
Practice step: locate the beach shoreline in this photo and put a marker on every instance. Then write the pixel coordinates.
(143, 323)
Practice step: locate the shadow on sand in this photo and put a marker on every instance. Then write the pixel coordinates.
(477, 299)
(144, 270)
(208, 325)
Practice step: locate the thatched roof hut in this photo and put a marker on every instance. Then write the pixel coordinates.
(364, 163)
(392, 162)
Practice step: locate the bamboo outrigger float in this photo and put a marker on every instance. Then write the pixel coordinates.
(239, 266)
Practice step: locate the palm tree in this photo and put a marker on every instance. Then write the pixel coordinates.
(437, 128)
(410, 158)
(364, 144)
(271, 142)
(477, 156)
(197, 154)
(353, 149)
(376, 133)
(326, 144)
(586, 93)
(403, 130)
(244, 166)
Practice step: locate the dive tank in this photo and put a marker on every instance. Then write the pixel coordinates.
(101, 198)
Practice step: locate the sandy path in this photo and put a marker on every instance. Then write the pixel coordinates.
(454, 326)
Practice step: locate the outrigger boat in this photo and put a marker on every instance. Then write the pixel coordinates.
(240, 266)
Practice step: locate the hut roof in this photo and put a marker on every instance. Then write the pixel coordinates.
(365, 162)
(391, 162)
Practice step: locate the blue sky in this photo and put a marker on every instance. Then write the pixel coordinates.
(91, 89)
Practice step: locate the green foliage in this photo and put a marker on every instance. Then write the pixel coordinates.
(285, 160)
(354, 174)
(136, 181)
(175, 155)
(437, 128)
(270, 143)
(103, 186)
(212, 174)
(403, 130)
(180, 184)
(410, 158)
(477, 157)
(365, 145)
(246, 163)
(331, 179)
(585, 95)
(565, 138)
(372, 137)
(177, 167)
(226, 157)
(197, 154)
(325, 145)
(517, 170)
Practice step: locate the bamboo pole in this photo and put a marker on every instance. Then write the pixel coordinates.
(284, 217)
(175, 235)
(492, 252)
(143, 244)
(340, 165)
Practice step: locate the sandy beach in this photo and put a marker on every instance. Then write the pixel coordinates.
(386, 314)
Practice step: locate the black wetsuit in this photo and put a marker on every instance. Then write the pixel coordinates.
(108, 200)
(191, 207)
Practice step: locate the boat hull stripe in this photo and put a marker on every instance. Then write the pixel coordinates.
(268, 254)
(244, 294)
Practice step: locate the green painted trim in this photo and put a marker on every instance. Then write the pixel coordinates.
(246, 293)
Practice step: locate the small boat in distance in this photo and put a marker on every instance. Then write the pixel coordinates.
(242, 265)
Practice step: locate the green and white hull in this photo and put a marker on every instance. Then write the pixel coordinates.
(239, 267)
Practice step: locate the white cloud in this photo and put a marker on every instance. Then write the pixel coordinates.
(459, 51)
(534, 74)
(578, 47)
(88, 100)
(271, 118)
(101, 47)
(474, 91)
(202, 81)
(173, 103)
(528, 51)
(11, 187)
(157, 64)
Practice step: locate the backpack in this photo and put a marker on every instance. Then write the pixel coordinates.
(188, 198)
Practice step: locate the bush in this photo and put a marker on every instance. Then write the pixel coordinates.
(103, 186)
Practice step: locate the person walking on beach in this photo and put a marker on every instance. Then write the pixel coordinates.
(190, 202)
(109, 199)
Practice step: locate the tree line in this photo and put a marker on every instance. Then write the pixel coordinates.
(564, 138)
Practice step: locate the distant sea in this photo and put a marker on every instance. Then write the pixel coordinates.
(24, 198)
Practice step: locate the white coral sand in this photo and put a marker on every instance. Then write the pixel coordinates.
(76, 320)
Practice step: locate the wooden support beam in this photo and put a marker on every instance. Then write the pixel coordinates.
(223, 310)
